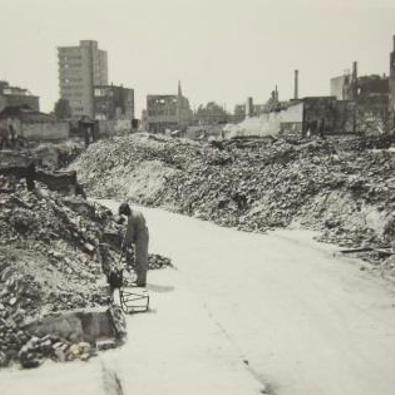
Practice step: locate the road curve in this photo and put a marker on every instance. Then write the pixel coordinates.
(304, 321)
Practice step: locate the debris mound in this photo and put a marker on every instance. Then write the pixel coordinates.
(342, 186)
(56, 155)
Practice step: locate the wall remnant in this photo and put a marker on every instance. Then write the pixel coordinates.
(116, 126)
(45, 131)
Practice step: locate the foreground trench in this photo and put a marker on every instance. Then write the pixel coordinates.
(240, 310)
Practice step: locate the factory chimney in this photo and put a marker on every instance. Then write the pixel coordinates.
(250, 107)
(354, 70)
(392, 85)
(296, 85)
(354, 81)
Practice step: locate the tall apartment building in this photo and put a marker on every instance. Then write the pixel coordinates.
(80, 69)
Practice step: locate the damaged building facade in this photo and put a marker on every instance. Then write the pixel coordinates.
(357, 104)
(20, 109)
(33, 125)
(113, 102)
(296, 117)
(167, 112)
(250, 109)
(15, 96)
(391, 83)
(371, 96)
(317, 115)
(300, 117)
(114, 109)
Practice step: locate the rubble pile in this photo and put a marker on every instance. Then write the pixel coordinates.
(54, 156)
(63, 348)
(342, 186)
(47, 261)
(47, 217)
(109, 166)
(35, 350)
(156, 261)
(110, 258)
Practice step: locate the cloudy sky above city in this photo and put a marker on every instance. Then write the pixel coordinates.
(221, 50)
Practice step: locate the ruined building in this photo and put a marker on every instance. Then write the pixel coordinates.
(80, 69)
(32, 124)
(113, 102)
(365, 90)
(299, 116)
(392, 85)
(167, 112)
(357, 104)
(250, 109)
(373, 96)
(340, 86)
(11, 96)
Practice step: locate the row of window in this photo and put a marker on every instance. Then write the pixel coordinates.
(75, 104)
(70, 57)
(71, 65)
(72, 94)
(75, 88)
(70, 79)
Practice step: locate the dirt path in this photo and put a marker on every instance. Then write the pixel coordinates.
(176, 348)
(301, 320)
(307, 322)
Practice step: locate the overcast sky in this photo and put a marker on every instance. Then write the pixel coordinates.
(221, 50)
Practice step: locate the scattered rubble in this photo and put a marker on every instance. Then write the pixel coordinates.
(32, 354)
(156, 262)
(342, 186)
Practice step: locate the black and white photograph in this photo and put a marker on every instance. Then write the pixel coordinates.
(197, 197)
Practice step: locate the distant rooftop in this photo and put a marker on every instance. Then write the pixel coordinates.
(7, 89)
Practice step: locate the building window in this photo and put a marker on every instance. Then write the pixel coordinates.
(99, 92)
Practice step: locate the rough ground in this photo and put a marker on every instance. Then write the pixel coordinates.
(57, 155)
(344, 187)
